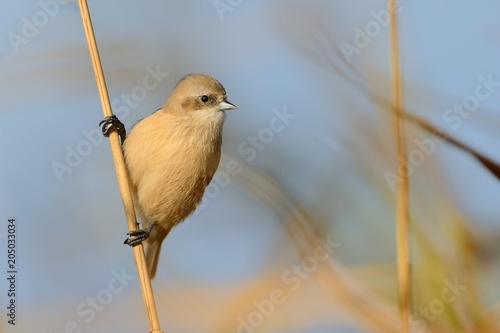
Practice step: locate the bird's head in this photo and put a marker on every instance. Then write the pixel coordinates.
(199, 93)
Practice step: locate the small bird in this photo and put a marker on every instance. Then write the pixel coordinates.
(171, 156)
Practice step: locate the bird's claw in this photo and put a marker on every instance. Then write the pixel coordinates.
(138, 236)
(110, 123)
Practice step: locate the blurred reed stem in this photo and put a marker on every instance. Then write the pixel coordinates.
(372, 311)
(402, 193)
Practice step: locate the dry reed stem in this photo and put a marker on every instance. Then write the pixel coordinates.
(402, 191)
(487, 162)
(121, 172)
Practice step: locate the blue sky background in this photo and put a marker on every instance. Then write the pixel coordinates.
(271, 56)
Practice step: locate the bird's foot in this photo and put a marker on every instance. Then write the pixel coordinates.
(138, 236)
(113, 123)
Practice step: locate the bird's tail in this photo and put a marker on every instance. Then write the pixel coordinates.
(152, 255)
(152, 248)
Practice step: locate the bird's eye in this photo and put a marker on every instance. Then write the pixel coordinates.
(204, 98)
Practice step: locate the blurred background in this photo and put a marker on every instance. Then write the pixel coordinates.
(296, 232)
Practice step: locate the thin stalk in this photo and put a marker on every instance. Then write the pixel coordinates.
(402, 190)
(121, 172)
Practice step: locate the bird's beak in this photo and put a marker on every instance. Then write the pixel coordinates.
(225, 105)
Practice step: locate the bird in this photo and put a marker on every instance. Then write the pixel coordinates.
(171, 156)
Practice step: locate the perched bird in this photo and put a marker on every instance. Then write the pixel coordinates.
(171, 156)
